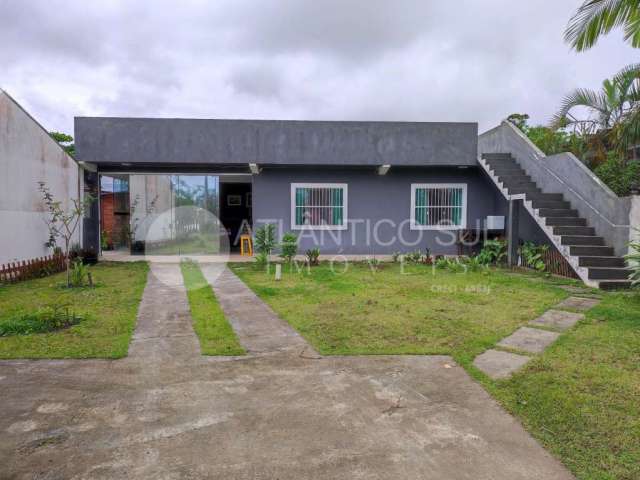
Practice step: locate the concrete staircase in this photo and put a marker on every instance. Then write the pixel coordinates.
(587, 253)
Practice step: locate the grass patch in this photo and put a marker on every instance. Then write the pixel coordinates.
(580, 398)
(420, 311)
(214, 332)
(108, 312)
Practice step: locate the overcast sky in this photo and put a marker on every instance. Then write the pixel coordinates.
(424, 60)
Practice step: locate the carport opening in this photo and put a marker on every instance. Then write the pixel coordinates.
(130, 202)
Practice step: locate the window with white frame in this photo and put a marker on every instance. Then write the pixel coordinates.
(318, 206)
(438, 206)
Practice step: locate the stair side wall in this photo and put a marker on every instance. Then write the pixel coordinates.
(564, 173)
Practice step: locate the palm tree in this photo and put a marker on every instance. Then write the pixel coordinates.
(613, 118)
(599, 17)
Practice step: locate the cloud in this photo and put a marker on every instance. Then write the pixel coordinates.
(298, 59)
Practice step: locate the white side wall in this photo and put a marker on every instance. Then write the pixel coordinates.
(634, 219)
(28, 155)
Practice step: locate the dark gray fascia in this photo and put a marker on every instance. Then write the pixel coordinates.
(273, 142)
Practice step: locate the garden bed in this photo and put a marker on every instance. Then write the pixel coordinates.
(107, 312)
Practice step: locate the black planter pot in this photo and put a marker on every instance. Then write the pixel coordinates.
(138, 247)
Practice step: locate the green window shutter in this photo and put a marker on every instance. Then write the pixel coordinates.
(337, 197)
(421, 203)
(299, 205)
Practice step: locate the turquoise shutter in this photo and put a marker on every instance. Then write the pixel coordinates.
(420, 207)
(299, 203)
(337, 199)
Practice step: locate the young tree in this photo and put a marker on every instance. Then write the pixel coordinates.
(63, 223)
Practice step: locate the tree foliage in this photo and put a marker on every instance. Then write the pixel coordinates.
(598, 17)
(65, 141)
(550, 140)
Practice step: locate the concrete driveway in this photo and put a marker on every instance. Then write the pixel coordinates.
(166, 412)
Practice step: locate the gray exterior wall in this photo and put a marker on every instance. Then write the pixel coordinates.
(29, 155)
(148, 141)
(564, 173)
(372, 198)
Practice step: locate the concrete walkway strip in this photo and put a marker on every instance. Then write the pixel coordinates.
(557, 319)
(164, 331)
(498, 364)
(259, 329)
(532, 340)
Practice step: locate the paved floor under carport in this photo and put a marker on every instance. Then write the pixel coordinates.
(166, 412)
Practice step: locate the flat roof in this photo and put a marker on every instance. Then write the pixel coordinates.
(175, 141)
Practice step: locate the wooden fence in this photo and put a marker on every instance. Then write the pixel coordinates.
(555, 263)
(34, 268)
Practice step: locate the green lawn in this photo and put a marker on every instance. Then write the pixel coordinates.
(422, 311)
(581, 398)
(109, 310)
(214, 332)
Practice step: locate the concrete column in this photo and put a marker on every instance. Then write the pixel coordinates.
(513, 239)
(91, 221)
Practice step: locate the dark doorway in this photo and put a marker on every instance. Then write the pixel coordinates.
(235, 211)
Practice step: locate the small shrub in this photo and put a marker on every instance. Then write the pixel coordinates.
(79, 273)
(456, 266)
(265, 239)
(493, 251)
(531, 255)
(261, 258)
(474, 264)
(620, 176)
(633, 262)
(47, 319)
(313, 256)
(397, 257)
(289, 246)
(441, 262)
(418, 256)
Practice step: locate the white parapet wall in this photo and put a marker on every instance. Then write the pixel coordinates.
(29, 155)
(634, 219)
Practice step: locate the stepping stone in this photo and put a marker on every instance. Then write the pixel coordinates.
(530, 340)
(573, 289)
(498, 365)
(579, 303)
(557, 319)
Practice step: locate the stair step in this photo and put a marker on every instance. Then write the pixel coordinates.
(557, 212)
(523, 189)
(566, 221)
(601, 262)
(493, 161)
(609, 273)
(497, 155)
(507, 170)
(614, 284)
(512, 182)
(551, 204)
(573, 230)
(546, 196)
(590, 250)
(587, 240)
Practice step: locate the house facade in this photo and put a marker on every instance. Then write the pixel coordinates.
(352, 188)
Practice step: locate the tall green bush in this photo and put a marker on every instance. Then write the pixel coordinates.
(289, 246)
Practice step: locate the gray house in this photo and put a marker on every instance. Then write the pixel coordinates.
(344, 187)
(347, 188)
